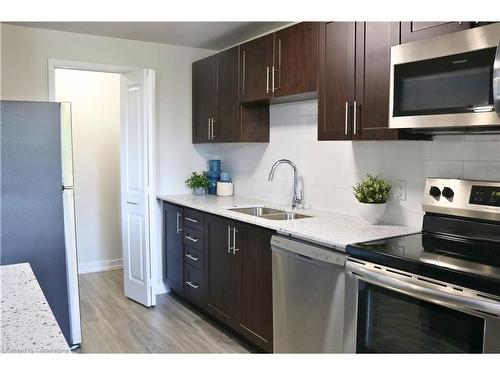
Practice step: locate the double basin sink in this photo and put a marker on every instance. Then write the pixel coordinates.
(270, 213)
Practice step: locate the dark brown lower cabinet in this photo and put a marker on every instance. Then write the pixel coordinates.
(174, 249)
(238, 278)
(255, 285)
(223, 267)
(220, 270)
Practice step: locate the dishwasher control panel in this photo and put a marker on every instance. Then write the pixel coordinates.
(308, 250)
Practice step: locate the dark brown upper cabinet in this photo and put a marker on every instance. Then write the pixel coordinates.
(204, 99)
(296, 59)
(256, 69)
(373, 64)
(411, 31)
(337, 51)
(354, 71)
(281, 64)
(215, 98)
(227, 122)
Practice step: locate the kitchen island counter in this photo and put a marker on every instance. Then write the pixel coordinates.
(27, 323)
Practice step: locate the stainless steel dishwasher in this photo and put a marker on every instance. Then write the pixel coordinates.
(308, 297)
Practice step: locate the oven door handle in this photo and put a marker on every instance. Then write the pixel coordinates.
(430, 294)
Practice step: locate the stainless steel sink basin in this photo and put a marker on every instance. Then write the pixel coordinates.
(270, 213)
(286, 216)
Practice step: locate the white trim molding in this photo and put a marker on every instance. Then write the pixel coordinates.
(53, 64)
(99, 266)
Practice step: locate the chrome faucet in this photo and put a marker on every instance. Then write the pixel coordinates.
(297, 193)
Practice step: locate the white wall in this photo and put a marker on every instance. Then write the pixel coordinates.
(95, 109)
(25, 52)
(330, 169)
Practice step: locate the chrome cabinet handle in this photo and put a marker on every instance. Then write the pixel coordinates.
(243, 78)
(229, 248)
(208, 137)
(424, 293)
(267, 80)
(346, 117)
(188, 237)
(191, 219)
(191, 257)
(279, 63)
(354, 117)
(234, 241)
(496, 81)
(213, 135)
(179, 229)
(192, 285)
(272, 80)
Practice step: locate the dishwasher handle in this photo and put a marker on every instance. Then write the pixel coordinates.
(308, 251)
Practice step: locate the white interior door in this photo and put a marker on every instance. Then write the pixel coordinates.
(137, 96)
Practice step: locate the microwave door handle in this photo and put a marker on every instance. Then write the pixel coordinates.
(427, 294)
(496, 81)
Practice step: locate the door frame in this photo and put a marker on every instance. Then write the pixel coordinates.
(155, 207)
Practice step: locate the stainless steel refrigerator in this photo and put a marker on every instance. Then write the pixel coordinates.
(37, 203)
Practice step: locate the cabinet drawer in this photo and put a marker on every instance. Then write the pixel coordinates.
(193, 283)
(193, 257)
(193, 219)
(193, 238)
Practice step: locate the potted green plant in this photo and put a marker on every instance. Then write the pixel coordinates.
(372, 194)
(198, 182)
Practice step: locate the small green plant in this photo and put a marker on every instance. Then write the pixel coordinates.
(198, 180)
(372, 189)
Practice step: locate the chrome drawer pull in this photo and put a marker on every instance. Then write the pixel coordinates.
(192, 285)
(191, 238)
(192, 257)
(190, 219)
(179, 229)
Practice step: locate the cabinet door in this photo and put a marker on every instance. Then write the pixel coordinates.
(204, 99)
(227, 121)
(255, 283)
(174, 249)
(256, 65)
(220, 270)
(296, 59)
(373, 63)
(336, 80)
(411, 31)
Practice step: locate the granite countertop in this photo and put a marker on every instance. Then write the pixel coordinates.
(325, 228)
(27, 323)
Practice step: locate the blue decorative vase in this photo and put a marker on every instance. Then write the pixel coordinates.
(213, 176)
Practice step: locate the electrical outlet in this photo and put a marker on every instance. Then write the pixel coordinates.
(399, 190)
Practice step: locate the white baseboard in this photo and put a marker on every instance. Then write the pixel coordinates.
(103, 265)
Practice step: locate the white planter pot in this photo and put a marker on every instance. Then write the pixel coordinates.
(371, 212)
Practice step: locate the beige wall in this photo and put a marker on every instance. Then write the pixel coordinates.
(95, 110)
(25, 52)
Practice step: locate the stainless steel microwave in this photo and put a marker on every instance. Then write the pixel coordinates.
(450, 81)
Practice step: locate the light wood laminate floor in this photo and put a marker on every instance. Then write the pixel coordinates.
(111, 323)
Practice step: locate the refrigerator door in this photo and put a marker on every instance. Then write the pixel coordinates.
(32, 215)
(72, 265)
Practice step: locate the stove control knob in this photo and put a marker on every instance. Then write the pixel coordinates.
(435, 192)
(448, 192)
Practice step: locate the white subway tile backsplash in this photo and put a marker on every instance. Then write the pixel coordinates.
(329, 169)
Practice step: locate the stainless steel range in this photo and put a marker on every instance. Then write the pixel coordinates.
(433, 292)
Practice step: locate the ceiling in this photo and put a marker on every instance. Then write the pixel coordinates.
(209, 35)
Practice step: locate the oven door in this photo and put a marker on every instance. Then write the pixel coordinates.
(448, 81)
(389, 312)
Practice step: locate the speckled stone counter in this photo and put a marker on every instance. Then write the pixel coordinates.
(27, 324)
(329, 229)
